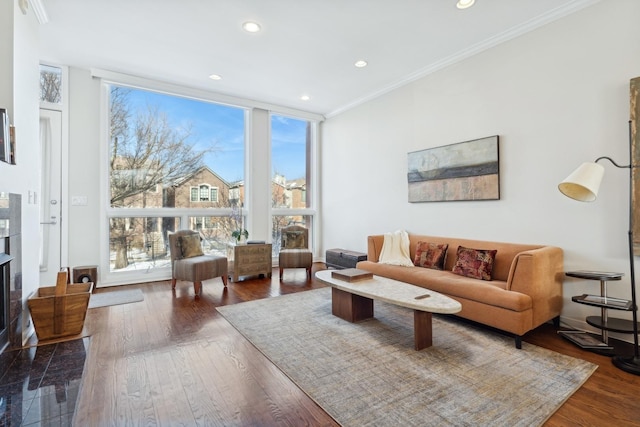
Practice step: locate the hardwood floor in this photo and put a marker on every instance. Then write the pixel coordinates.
(172, 359)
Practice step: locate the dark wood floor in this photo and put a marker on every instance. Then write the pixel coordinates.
(173, 359)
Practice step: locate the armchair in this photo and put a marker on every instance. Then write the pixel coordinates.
(294, 249)
(189, 263)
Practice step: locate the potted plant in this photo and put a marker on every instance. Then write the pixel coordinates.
(239, 234)
(240, 231)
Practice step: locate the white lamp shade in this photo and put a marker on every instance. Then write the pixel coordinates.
(583, 183)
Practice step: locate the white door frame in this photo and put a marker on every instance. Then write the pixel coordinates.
(57, 173)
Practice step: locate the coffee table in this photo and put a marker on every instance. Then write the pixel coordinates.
(353, 301)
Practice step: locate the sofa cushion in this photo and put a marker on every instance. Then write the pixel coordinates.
(474, 263)
(395, 249)
(430, 255)
(190, 245)
(492, 293)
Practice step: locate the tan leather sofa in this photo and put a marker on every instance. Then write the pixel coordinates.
(525, 290)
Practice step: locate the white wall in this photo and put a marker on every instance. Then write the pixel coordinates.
(85, 168)
(19, 92)
(557, 96)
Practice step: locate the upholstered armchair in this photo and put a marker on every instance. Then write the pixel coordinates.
(189, 263)
(294, 249)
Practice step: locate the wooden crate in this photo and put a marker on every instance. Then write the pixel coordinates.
(59, 311)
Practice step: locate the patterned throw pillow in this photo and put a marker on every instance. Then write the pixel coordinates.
(474, 263)
(430, 255)
(294, 240)
(190, 246)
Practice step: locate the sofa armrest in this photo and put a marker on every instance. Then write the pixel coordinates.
(374, 247)
(539, 274)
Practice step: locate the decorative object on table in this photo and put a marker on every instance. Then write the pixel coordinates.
(464, 171)
(583, 185)
(239, 231)
(294, 249)
(239, 234)
(351, 275)
(59, 311)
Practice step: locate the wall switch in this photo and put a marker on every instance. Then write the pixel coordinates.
(79, 200)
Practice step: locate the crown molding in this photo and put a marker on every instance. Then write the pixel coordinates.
(472, 50)
(39, 11)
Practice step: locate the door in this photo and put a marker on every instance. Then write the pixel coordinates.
(50, 196)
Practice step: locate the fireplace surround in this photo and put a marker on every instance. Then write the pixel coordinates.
(10, 270)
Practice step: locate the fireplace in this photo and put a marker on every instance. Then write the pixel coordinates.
(10, 271)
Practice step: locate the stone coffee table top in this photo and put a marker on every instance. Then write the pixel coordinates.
(394, 292)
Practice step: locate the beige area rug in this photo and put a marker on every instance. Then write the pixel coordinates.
(126, 296)
(368, 373)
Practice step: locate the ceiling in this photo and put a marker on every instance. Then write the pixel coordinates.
(306, 47)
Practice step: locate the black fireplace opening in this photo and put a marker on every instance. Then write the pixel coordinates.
(5, 259)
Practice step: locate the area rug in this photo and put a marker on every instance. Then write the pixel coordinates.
(126, 296)
(368, 373)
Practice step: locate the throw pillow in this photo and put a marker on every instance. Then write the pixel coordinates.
(395, 249)
(190, 246)
(294, 240)
(430, 255)
(474, 263)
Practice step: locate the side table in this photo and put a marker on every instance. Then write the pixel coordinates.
(249, 259)
(605, 303)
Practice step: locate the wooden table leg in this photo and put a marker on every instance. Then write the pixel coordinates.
(422, 329)
(350, 307)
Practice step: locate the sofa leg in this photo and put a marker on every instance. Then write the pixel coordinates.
(518, 342)
(225, 280)
(173, 283)
(556, 322)
(281, 272)
(197, 288)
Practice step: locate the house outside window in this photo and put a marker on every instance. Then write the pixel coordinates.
(167, 165)
(292, 148)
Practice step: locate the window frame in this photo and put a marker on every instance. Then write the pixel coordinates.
(257, 219)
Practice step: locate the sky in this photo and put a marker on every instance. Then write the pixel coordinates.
(222, 127)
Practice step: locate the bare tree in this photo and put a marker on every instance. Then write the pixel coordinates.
(50, 86)
(146, 153)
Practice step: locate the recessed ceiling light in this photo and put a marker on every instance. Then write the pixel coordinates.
(215, 77)
(305, 97)
(361, 63)
(251, 27)
(463, 4)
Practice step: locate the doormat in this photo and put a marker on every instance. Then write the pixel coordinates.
(104, 299)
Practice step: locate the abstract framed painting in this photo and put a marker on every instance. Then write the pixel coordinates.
(467, 170)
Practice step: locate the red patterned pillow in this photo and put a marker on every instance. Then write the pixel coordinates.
(430, 255)
(474, 263)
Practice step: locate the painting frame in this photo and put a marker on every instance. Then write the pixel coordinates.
(464, 171)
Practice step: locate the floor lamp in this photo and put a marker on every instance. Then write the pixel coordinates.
(582, 185)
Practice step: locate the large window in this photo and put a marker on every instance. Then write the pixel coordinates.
(174, 162)
(291, 158)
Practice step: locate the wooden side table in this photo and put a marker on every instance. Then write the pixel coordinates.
(249, 260)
